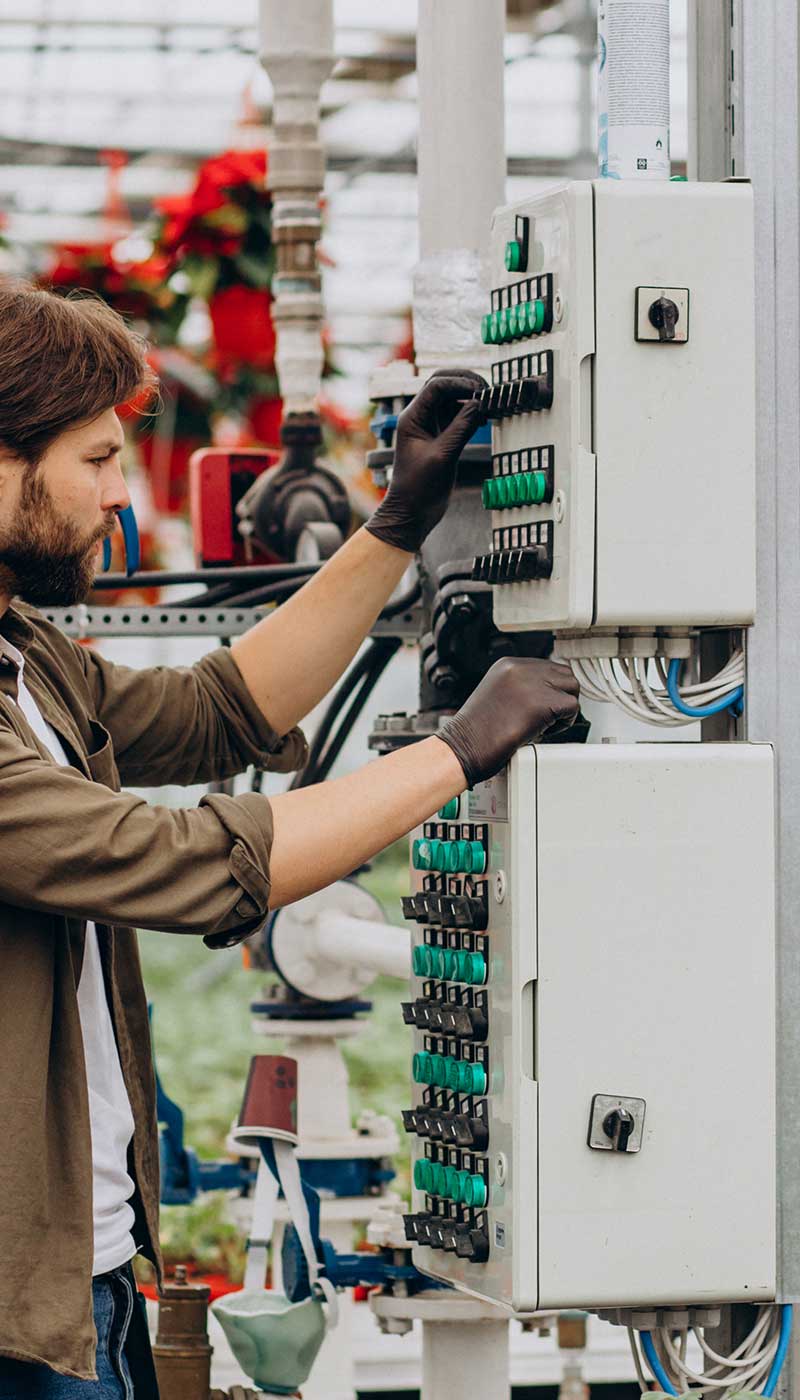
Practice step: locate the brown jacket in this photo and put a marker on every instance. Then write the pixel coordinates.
(72, 848)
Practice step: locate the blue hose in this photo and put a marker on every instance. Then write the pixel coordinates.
(772, 1379)
(130, 535)
(783, 1347)
(700, 711)
(655, 1365)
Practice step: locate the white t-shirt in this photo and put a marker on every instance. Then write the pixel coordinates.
(110, 1113)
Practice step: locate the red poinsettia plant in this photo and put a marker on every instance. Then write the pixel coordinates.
(219, 234)
(137, 288)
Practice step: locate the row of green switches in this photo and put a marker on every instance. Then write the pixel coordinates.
(449, 965)
(513, 323)
(450, 857)
(445, 1072)
(520, 489)
(467, 1188)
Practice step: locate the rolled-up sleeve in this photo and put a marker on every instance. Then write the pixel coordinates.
(70, 846)
(191, 724)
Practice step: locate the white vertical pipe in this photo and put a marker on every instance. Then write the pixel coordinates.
(460, 173)
(297, 50)
(465, 1359)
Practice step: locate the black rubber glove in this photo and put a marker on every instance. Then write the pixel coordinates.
(519, 700)
(432, 432)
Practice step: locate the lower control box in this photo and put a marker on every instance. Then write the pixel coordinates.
(593, 1117)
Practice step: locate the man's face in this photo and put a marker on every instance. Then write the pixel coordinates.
(54, 517)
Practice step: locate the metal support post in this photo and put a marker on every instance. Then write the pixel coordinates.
(768, 56)
(746, 108)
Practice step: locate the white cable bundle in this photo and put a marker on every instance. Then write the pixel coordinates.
(624, 681)
(747, 1368)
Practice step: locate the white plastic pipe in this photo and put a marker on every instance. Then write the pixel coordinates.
(465, 1359)
(460, 173)
(461, 145)
(382, 948)
(297, 50)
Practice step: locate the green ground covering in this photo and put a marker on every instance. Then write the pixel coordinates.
(204, 1043)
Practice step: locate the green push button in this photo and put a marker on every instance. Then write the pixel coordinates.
(439, 1068)
(455, 1075)
(443, 959)
(503, 492)
(474, 1080)
(449, 813)
(421, 1068)
(466, 1078)
(437, 1179)
(503, 328)
(450, 964)
(423, 1176)
(516, 491)
(421, 960)
(513, 256)
(533, 314)
(422, 853)
(452, 1183)
(494, 328)
(477, 858)
(472, 969)
(487, 494)
(473, 1190)
(515, 326)
(537, 487)
(486, 328)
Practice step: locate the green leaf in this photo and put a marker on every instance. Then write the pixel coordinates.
(255, 271)
(203, 274)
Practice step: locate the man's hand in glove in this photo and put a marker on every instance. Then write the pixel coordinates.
(518, 701)
(290, 660)
(432, 432)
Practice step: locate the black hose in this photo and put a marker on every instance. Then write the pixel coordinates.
(347, 685)
(365, 674)
(235, 574)
(356, 706)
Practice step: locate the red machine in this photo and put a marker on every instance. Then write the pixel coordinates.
(218, 479)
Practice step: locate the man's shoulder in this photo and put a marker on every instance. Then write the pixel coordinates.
(43, 643)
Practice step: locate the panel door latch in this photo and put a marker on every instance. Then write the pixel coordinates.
(616, 1124)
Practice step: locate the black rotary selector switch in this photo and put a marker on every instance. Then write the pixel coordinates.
(664, 315)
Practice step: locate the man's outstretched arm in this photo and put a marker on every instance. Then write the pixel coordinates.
(290, 661)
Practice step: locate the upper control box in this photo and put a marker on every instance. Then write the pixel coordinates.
(645, 413)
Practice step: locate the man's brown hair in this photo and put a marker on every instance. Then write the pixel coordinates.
(63, 361)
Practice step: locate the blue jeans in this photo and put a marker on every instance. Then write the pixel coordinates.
(115, 1298)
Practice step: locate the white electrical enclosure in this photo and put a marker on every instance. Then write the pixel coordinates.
(650, 519)
(629, 954)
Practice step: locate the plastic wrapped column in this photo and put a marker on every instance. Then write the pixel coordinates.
(461, 174)
(633, 89)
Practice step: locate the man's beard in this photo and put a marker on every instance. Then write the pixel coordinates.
(44, 559)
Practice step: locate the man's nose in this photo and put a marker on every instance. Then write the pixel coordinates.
(116, 495)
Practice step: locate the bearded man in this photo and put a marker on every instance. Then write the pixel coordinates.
(83, 862)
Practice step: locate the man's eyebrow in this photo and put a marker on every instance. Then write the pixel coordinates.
(101, 449)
